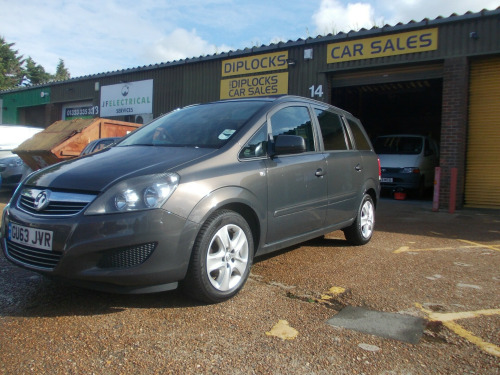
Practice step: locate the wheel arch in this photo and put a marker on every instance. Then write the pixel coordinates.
(250, 217)
(373, 194)
(372, 187)
(235, 199)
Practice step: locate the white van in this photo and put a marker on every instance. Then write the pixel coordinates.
(12, 168)
(407, 162)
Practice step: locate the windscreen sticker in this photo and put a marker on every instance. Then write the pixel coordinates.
(226, 134)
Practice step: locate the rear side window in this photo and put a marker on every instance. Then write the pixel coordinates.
(294, 121)
(332, 130)
(362, 142)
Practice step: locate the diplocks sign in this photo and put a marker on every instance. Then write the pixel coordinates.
(252, 85)
(391, 45)
(130, 98)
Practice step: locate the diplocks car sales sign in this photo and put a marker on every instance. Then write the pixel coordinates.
(252, 85)
(130, 98)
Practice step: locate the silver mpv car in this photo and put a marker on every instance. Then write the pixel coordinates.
(193, 196)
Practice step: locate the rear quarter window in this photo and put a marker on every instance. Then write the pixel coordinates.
(332, 130)
(362, 142)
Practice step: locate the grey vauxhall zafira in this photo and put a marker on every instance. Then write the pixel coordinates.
(193, 196)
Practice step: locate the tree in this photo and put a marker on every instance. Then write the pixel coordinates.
(36, 73)
(16, 72)
(62, 74)
(11, 71)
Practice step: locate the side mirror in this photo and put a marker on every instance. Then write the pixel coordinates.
(289, 144)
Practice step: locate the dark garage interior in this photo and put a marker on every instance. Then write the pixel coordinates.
(409, 107)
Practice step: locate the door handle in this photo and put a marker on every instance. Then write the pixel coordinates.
(358, 168)
(320, 172)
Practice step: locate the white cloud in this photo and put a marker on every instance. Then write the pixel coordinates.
(181, 44)
(406, 10)
(333, 17)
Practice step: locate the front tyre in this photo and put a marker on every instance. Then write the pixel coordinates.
(221, 258)
(361, 230)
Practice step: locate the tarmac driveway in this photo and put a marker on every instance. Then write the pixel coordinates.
(441, 267)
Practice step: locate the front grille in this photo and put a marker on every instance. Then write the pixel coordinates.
(33, 257)
(59, 203)
(127, 257)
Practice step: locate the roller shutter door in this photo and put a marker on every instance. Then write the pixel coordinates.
(482, 183)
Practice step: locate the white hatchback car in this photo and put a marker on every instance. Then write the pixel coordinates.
(12, 167)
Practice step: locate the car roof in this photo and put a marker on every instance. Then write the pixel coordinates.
(285, 99)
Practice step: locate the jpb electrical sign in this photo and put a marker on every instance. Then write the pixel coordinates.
(252, 85)
(391, 45)
(130, 98)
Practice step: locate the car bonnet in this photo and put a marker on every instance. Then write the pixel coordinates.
(97, 171)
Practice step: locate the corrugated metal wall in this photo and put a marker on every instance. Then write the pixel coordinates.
(482, 185)
(23, 99)
(476, 34)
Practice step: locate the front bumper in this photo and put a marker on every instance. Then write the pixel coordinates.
(133, 252)
(405, 181)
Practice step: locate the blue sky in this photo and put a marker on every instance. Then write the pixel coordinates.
(96, 36)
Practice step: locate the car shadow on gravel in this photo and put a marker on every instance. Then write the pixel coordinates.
(27, 294)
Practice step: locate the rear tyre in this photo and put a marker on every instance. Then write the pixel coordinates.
(221, 258)
(361, 230)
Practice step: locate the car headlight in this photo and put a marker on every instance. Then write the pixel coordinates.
(138, 193)
(410, 170)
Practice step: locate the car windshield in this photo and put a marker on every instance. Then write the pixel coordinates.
(398, 145)
(206, 125)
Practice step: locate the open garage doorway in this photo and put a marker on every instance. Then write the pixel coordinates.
(406, 107)
(410, 107)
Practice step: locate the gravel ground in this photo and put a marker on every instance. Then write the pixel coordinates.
(416, 258)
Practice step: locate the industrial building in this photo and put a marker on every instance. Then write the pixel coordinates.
(437, 77)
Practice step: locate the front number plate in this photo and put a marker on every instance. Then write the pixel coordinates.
(32, 237)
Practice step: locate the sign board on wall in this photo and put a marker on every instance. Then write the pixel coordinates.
(79, 110)
(382, 46)
(248, 84)
(130, 98)
(255, 64)
(254, 86)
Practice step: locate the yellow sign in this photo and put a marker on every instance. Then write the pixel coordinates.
(391, 45)
(253, 86)
(255, 64)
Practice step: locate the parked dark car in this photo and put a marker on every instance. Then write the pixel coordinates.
(12, 167)
(193, 196)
